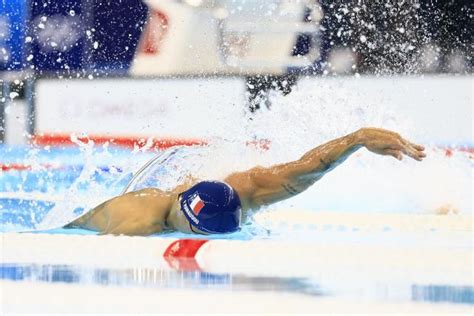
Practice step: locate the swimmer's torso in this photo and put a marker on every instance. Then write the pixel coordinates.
(145, 212)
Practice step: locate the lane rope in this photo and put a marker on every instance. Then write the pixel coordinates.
(181, 254)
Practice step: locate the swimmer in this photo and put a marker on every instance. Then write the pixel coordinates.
(216, 207)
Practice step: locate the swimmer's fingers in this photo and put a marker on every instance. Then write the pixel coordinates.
(420, 150)
(413, 150)
(399, 151)
(412, 145)
(417, 147)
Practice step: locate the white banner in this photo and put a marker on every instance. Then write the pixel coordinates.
(438, 107)
(138, 107)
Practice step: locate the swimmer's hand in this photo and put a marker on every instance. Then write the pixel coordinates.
(384, 142)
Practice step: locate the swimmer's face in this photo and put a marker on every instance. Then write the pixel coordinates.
(179, 221)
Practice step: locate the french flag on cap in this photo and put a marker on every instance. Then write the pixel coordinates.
(196, 204)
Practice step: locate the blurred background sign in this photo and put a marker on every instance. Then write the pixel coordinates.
(227, 37)
(13, 14)
(57, 30)
(84, 36)
(79, 38)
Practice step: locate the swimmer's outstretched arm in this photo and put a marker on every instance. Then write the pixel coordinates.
(262, 186)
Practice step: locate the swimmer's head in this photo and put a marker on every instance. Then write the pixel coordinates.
(212, 207)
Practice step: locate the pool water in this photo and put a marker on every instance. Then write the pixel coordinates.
(288, 259)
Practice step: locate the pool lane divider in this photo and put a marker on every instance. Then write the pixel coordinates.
(131, 142)
(126, 142)
(181, 254)
(19, 167)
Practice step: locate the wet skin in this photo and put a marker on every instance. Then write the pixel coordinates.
(151, 210)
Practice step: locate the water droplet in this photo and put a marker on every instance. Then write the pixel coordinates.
(13, 95)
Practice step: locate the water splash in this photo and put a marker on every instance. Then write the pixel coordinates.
(284, 131)
(306, 118)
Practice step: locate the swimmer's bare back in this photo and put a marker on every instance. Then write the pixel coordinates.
(141, 212)
(146, 211)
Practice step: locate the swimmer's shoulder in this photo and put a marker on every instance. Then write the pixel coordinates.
(146, 192)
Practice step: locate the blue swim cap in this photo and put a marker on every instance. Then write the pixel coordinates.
(213, 207)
